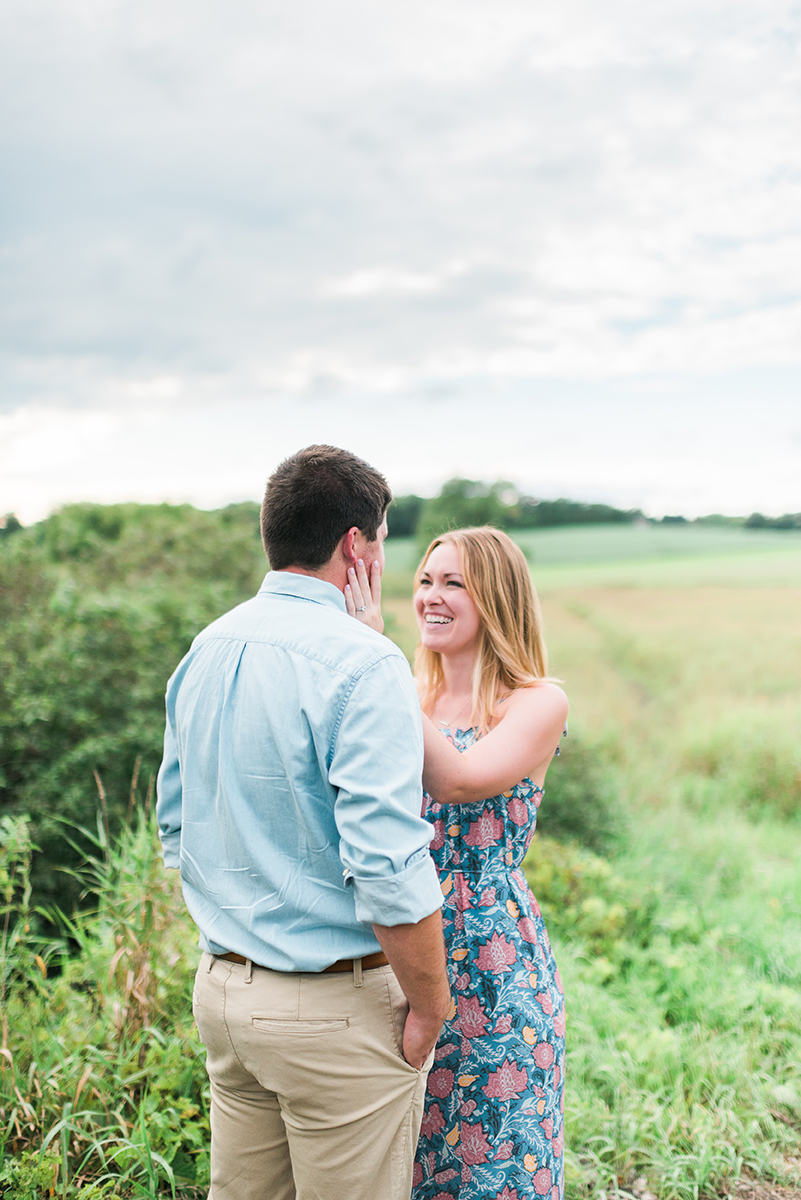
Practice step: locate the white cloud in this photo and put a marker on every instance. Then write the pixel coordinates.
(387, 281)
(363, 202)
(664, 445)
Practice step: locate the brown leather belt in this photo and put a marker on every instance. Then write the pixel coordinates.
(369, 962)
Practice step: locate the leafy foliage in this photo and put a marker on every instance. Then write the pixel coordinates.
(9, 524)
(404, 514)
(684, 1044)
(542, 514)
(464, 502)
(102, 1084)
(581, 804)
(98, 605)
(787, 521)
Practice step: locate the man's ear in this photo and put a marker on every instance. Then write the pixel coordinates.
(348, 544)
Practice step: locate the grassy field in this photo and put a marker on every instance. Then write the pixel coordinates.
(639, 556)
(678, 934)
(691, 693)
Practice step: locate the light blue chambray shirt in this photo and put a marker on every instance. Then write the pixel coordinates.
(290, 790)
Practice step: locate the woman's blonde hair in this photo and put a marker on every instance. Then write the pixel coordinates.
(511, 651)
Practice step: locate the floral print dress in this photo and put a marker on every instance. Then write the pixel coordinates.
(492, 1127)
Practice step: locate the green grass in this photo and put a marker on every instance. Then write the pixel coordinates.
(682, 968)
(686, 1062)
(680, 946)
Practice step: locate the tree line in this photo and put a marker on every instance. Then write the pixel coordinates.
(463, 502)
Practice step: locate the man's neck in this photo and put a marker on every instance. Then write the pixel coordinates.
(328, 573)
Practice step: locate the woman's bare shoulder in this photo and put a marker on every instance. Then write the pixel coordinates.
(544, 700)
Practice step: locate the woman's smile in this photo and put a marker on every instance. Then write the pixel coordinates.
(446, 613)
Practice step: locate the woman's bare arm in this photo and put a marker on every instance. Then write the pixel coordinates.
(520, 745)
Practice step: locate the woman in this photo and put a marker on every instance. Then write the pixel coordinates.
(492, 722)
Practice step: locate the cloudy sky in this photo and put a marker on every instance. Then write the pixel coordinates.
(557, 244)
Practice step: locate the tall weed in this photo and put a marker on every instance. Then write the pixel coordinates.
(102, 1085)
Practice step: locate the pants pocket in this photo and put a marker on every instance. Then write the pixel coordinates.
(281, 1025)
(398, 1012)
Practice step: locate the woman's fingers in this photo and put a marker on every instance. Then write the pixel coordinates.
(363, 581)
(363, 595)
(353, 596)
(375, 584)
(356, 589)
(371, 590)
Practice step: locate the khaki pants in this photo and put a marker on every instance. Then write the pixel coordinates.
(311, 1098)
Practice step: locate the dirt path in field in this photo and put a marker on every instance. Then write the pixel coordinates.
(746, 1189)
(752, 1189)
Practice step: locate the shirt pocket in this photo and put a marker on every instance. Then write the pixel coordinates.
(309, 1028)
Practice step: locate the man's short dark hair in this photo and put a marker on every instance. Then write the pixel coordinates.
(312, 499)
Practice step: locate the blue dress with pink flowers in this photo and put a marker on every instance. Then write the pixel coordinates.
(492, 1127)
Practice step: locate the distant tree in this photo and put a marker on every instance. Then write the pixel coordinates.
(787, 521)
(464, 502)
(404, 514)
(9, 524)
(533, 514)
(718, 519)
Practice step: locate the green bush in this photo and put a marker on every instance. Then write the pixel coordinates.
(97, 606)
(580, 804)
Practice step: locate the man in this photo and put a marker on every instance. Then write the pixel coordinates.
(290, 797)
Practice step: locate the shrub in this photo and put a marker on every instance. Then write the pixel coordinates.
(580, 804)
(97, 605)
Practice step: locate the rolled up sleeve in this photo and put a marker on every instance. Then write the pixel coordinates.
(400, 899)
(376, 770)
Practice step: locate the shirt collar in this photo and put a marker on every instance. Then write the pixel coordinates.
(303, 587)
